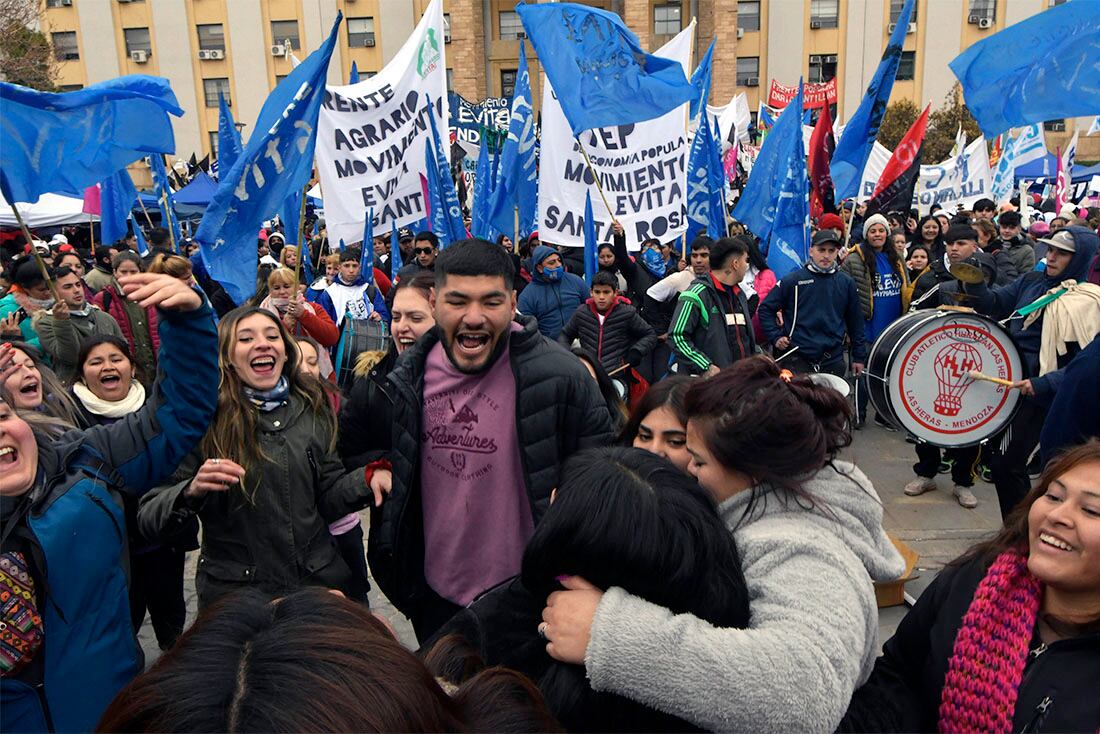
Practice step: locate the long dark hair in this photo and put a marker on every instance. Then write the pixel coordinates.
(310, 661)
(625, 517)
(615, 406)
(870, 259)
(118, 343)
(778, 433)
(1014, 534)
(669, 393)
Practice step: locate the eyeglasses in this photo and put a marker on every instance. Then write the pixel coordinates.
(422, 250)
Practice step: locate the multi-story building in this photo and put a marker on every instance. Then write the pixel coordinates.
(239, 47)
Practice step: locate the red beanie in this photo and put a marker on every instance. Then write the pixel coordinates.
(831, 221)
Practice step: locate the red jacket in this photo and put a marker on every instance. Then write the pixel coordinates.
(111, 301)
(318, 324)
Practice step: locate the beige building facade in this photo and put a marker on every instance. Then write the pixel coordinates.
(238, 47)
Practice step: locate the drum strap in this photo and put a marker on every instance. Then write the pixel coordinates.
(1040, 302)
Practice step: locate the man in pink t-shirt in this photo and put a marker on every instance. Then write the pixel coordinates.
(484, 412)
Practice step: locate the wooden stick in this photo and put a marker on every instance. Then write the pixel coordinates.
(170, 213)
(617, 370)
(596, 176)
(145, 211)
(974, 374)
(301, 234)
(91, 233)
(34, 251)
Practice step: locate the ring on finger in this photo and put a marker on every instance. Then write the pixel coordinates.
(215, 461)
(543, 626)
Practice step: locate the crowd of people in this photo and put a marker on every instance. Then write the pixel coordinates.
(614, 505)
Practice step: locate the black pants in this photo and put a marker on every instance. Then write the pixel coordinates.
(350, 545)
(962, 472)
(1010, 466)
(156, 586)
(431, 613)
(655, 365)
(798, 364)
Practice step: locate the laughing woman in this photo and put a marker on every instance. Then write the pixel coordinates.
(265, 482)
(62, 550)
(106, 391)
(29, 386)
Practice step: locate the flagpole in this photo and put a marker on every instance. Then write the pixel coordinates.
(34, 251)
(91, 232)
(301, 244)
(168, 211)
(595, 176)
(145, 211)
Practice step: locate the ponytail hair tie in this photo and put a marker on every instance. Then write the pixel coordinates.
(785, 376)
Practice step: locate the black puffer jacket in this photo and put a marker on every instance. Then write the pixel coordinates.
(623, 335)
(559, 411)
(938, 287)
(365, 414)
(279, 540)
(1057, 692)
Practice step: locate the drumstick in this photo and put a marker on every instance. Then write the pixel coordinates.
(974, 374)
(786, 354)
(618, 369)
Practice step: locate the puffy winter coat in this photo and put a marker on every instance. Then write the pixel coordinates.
(279, 539)
(74, 527)
(111, 301)
(559, 411)
(855, 266)
(552, 303)
(1020, 250)
(1057, 692)
(622, 336)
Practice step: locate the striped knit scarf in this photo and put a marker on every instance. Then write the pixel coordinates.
(991, 648)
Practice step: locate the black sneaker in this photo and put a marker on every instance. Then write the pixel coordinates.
(946, 465)
(882, 423)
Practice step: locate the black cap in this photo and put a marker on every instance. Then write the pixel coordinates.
(984, 205)
(960, 232)
(1010, 219)
(826, 235)
(404, 234)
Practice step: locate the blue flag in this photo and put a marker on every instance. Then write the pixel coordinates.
(165, 198)
(64, 143)
(395, 252)
(576, 45)
(700, 80)
(353, 77)
(1042, 68)
(229, 137)
(366, 252)
(307, 263)
(854, 146)
(591, 247)
(764, 119)
(278, 160)
(142, 245)
(517, 177)
(116, 199)
(342, 245)
(775, 205)
(449, 215)
(705, 185)
(480, 225)
(290, 214)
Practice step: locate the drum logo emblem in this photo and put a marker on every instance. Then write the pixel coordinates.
(953, 365)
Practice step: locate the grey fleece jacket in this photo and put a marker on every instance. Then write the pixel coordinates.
(813, 632)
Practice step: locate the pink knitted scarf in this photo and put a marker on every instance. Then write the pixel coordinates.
(991, 648)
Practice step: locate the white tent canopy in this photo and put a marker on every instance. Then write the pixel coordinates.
(51, 210)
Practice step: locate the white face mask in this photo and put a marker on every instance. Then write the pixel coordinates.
(41, 303)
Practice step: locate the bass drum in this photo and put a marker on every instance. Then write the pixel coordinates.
(918, 375)
(357, 336)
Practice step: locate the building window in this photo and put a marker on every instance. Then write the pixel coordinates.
(360, 32)
(282, 30)
(748, 15)
(907, 66)
(896, 8)
(70, 87)
(822, 68)
(824, 13)
(1055, 126)
(58, 3)
(450, 80)
(213, 135)
(279, 78)
(511, 27)
(211, 87)
(137, 39)
(507, 82)
(984, 8)
(446, 28)
(666, 20)
(64, 46)
(211, 37)
(748, 71)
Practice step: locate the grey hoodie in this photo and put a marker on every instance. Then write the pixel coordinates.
(813, 634)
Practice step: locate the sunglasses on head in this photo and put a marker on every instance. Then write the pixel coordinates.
(422, 250)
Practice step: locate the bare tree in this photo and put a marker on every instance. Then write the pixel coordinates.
(26, 56)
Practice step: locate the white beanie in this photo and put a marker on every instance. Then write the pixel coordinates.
(875, 219)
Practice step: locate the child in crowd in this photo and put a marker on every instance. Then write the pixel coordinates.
(609, 327)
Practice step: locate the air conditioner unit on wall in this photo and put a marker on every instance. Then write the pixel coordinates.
(368, 42)
(139, 57)
(911, 29)
(216, 54)
(740, 33)
(815, 24)
(985, 23)
(67, 3)
(815, 59)
(279, 50)
(890, 28)
(203, 54)
(830, 59)
(752, 81)
(973, 19)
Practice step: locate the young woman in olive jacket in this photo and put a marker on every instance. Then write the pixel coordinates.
(265, 481)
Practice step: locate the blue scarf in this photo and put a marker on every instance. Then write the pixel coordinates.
(268, 400)
(654, 262)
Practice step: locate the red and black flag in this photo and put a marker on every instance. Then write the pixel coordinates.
(894, 190)
(822, 145)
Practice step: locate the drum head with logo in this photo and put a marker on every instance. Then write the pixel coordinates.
(930, 388)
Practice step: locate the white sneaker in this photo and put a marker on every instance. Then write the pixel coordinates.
(919, 486)
(965, 497)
